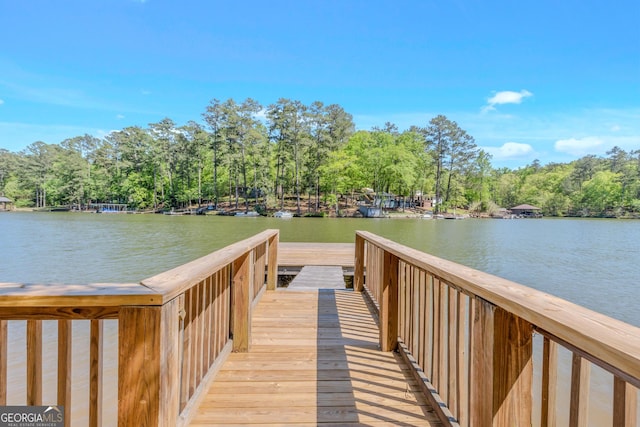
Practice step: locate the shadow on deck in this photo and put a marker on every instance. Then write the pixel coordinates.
(314, 359)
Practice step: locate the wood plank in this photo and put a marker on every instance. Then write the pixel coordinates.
(625, 403)
(65, 340)
(613, 342)
(579, 400)
(314, 375)
(313, 277)
(34, 362)
(295, 254)
(453, 351)
(549, 382)
(71, 295)
(358, 276)
(71, 312)
(4, 345)
(389, 304)
(481, 404)
(242, 279)
(272, 262)
(176, 281)
(96, 345)
(463, 333)
(513, 370)
(148, 365)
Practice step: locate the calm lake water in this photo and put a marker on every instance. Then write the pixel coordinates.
(594, 263)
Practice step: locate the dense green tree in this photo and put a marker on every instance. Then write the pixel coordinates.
(330, 128)
(291, 149)
(453, 152)
(36, 166)
(213, 117)
(289, 129)
(602, 193)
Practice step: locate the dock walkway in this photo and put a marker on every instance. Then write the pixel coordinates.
(314, 360)
(318, 277)
(295, 254)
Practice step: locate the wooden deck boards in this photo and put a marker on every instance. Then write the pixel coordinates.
(314, 360)
(300, 254)
(314, 277)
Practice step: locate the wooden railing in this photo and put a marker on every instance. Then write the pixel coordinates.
(469, 337)
(174, 331)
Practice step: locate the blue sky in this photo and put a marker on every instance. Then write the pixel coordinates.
(548, 80)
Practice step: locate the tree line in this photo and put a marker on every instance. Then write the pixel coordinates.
(245, 153)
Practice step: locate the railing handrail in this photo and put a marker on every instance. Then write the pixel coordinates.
(155, 290)
(74, 295)
(161, 370)
(173, 282)
(609, 340)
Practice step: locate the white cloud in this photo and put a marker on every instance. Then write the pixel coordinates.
(1, 101)
(506, 97)
(119, 116)
(615, 128)
(510, 150)
(580, 147)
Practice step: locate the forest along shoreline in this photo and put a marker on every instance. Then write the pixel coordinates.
(245, 154)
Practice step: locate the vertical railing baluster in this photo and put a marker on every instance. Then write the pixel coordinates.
(443, 339)
(452, 351)
(65, 340)
(199, 334)
(423, 323)
(34, 362)
(578, 404)
(625, 403)
(4, 345)
(96, 345)
(437, 338)
(549, 383)
(462, 328)
(430, 318)
(186, 351)
(209, 332)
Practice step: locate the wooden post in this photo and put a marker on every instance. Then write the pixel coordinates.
(358, 274)
(242, 285)
(389, 305)
(501, 368)
(148, 368)
(272, 268)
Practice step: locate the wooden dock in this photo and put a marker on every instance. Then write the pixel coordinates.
(296, 255)
(314, 360)
(418, 341)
